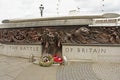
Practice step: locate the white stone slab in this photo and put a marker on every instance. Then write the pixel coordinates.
(20, 50)
(48, 23)
(96, 53)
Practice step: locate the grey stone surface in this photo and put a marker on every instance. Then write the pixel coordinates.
(89, 71)
(107, 71)
(77, 71)
(50, 21)
(11, 67)
(36, 72)
(93, 53)
(21, 50)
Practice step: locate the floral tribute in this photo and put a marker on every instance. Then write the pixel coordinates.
(46, 60)
(57, 59)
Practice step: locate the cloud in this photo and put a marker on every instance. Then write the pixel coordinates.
(30, 8)
(97, 5)
(18, 8)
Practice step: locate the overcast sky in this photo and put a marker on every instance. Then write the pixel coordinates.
(16, 9)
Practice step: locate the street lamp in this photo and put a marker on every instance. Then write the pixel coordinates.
(41, 9)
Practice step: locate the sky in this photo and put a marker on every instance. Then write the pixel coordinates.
(21, 9)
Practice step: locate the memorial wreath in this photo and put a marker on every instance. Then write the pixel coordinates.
(46, 60)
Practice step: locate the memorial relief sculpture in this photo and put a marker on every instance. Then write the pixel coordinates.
(51, 38)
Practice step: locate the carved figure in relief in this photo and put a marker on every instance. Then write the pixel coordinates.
(53, 37)
(6, 36)
(33, 36)
(51, 41)
(19, 36)
(81, 35)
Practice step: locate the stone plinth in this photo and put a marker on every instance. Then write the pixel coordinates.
(94, 53)
(20, 50)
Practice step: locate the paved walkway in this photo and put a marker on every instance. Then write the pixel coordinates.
(12, 68)
(36, 72)
(77, 71)
(107, 71)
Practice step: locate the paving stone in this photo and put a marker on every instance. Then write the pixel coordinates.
(6, 78)
(11, 67)
(14, 74)
(107, 71)
(77, 71)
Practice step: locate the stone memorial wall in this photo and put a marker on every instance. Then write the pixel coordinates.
(51, 38)
(20, 50)
(93, 53)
